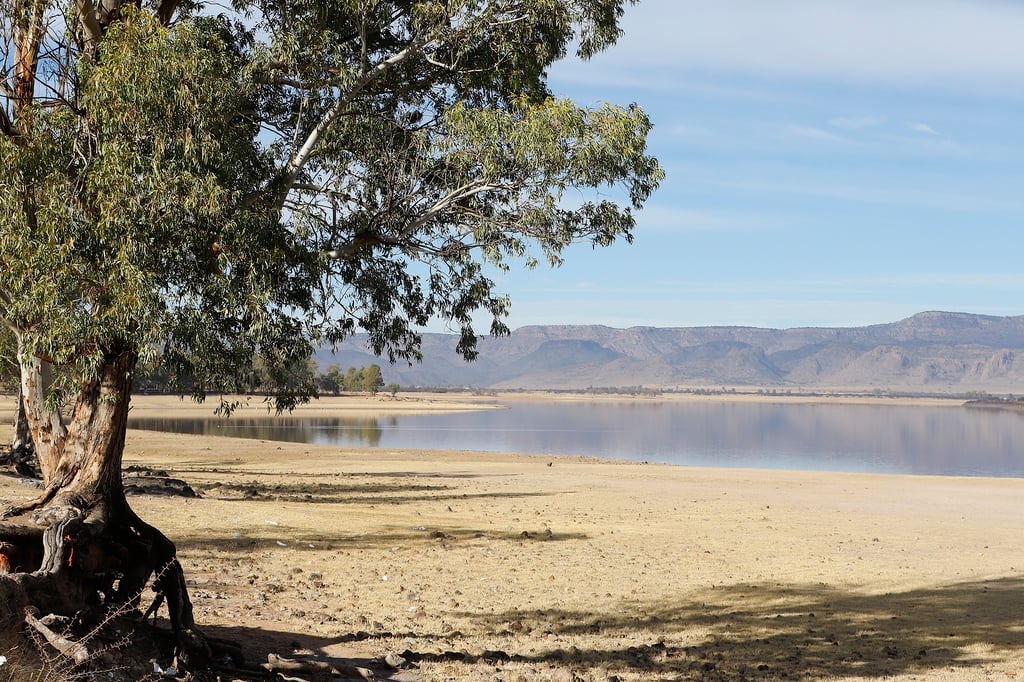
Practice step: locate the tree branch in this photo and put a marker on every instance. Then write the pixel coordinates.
(6, 126)
(73, 650)
(468, 190)
(305, 152)
(90, 24)
(48, 429)
(5, 306)
(165, 10)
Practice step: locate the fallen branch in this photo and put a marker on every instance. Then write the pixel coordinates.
(73, 650)
(280, 664)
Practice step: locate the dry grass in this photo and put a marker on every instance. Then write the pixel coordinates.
(23, 661)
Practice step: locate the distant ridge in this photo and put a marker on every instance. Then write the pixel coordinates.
(931, 351)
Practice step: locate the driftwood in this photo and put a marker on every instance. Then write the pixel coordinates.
(280, 664)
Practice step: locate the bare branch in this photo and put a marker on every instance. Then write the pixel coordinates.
(447, 201)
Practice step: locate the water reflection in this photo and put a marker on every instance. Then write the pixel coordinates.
(870, 438)
(337, 431)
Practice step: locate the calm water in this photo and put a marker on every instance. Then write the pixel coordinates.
(857, 438)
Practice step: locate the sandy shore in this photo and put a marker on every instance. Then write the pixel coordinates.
(484, 566)
(411, 403)
(382, 405)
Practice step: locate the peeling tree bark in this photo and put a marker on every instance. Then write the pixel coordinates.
(47, 428)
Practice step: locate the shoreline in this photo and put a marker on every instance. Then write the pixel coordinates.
(587, 568)
(837, 398)
(440, 402)
(367, 408)
(384, 405)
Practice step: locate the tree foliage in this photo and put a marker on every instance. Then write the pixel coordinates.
(8, 360)
(210, 188)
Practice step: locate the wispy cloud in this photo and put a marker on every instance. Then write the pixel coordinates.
(810, 133)
(856, 122)
(663, 219)
(896, 195)
(688, 131)
(967, 280)
(685, 309)
(922, 128)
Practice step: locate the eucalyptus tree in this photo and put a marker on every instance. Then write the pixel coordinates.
(222, 189)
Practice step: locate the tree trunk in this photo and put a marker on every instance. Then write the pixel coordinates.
(44, 421)
(22, 453)
(82, 547)
(22, 433)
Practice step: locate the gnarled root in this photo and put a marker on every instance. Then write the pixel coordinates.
(18, 510)
(72, 560)
(169, 586)
(13, 601)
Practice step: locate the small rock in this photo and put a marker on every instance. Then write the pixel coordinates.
(395, 661)
(562, 675)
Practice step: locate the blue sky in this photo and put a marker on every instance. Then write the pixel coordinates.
(830, 163)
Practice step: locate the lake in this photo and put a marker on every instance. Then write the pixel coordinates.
(826, 437)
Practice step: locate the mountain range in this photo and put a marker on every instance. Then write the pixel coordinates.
(941, 352)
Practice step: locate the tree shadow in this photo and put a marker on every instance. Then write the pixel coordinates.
(231, 471)
(252, 486)
(810, 632)
(743, 632)
(330, 493)
(314, 493)
(257, 643)
(746, 632)
(312, 540)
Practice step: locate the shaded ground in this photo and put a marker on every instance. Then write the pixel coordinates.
(486, 567)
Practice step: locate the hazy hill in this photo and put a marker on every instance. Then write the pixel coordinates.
(932, 351)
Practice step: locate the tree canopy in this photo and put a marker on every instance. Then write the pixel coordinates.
(208, 187)
(211, 192)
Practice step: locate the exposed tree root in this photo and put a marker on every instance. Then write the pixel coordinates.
(87, 562)
(13, 601)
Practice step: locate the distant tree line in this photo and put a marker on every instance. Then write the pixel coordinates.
(352, 380)
(332, 381)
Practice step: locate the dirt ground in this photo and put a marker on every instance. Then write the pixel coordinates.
(476, 566)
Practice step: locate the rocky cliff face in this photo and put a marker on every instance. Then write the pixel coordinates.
(932, 351)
